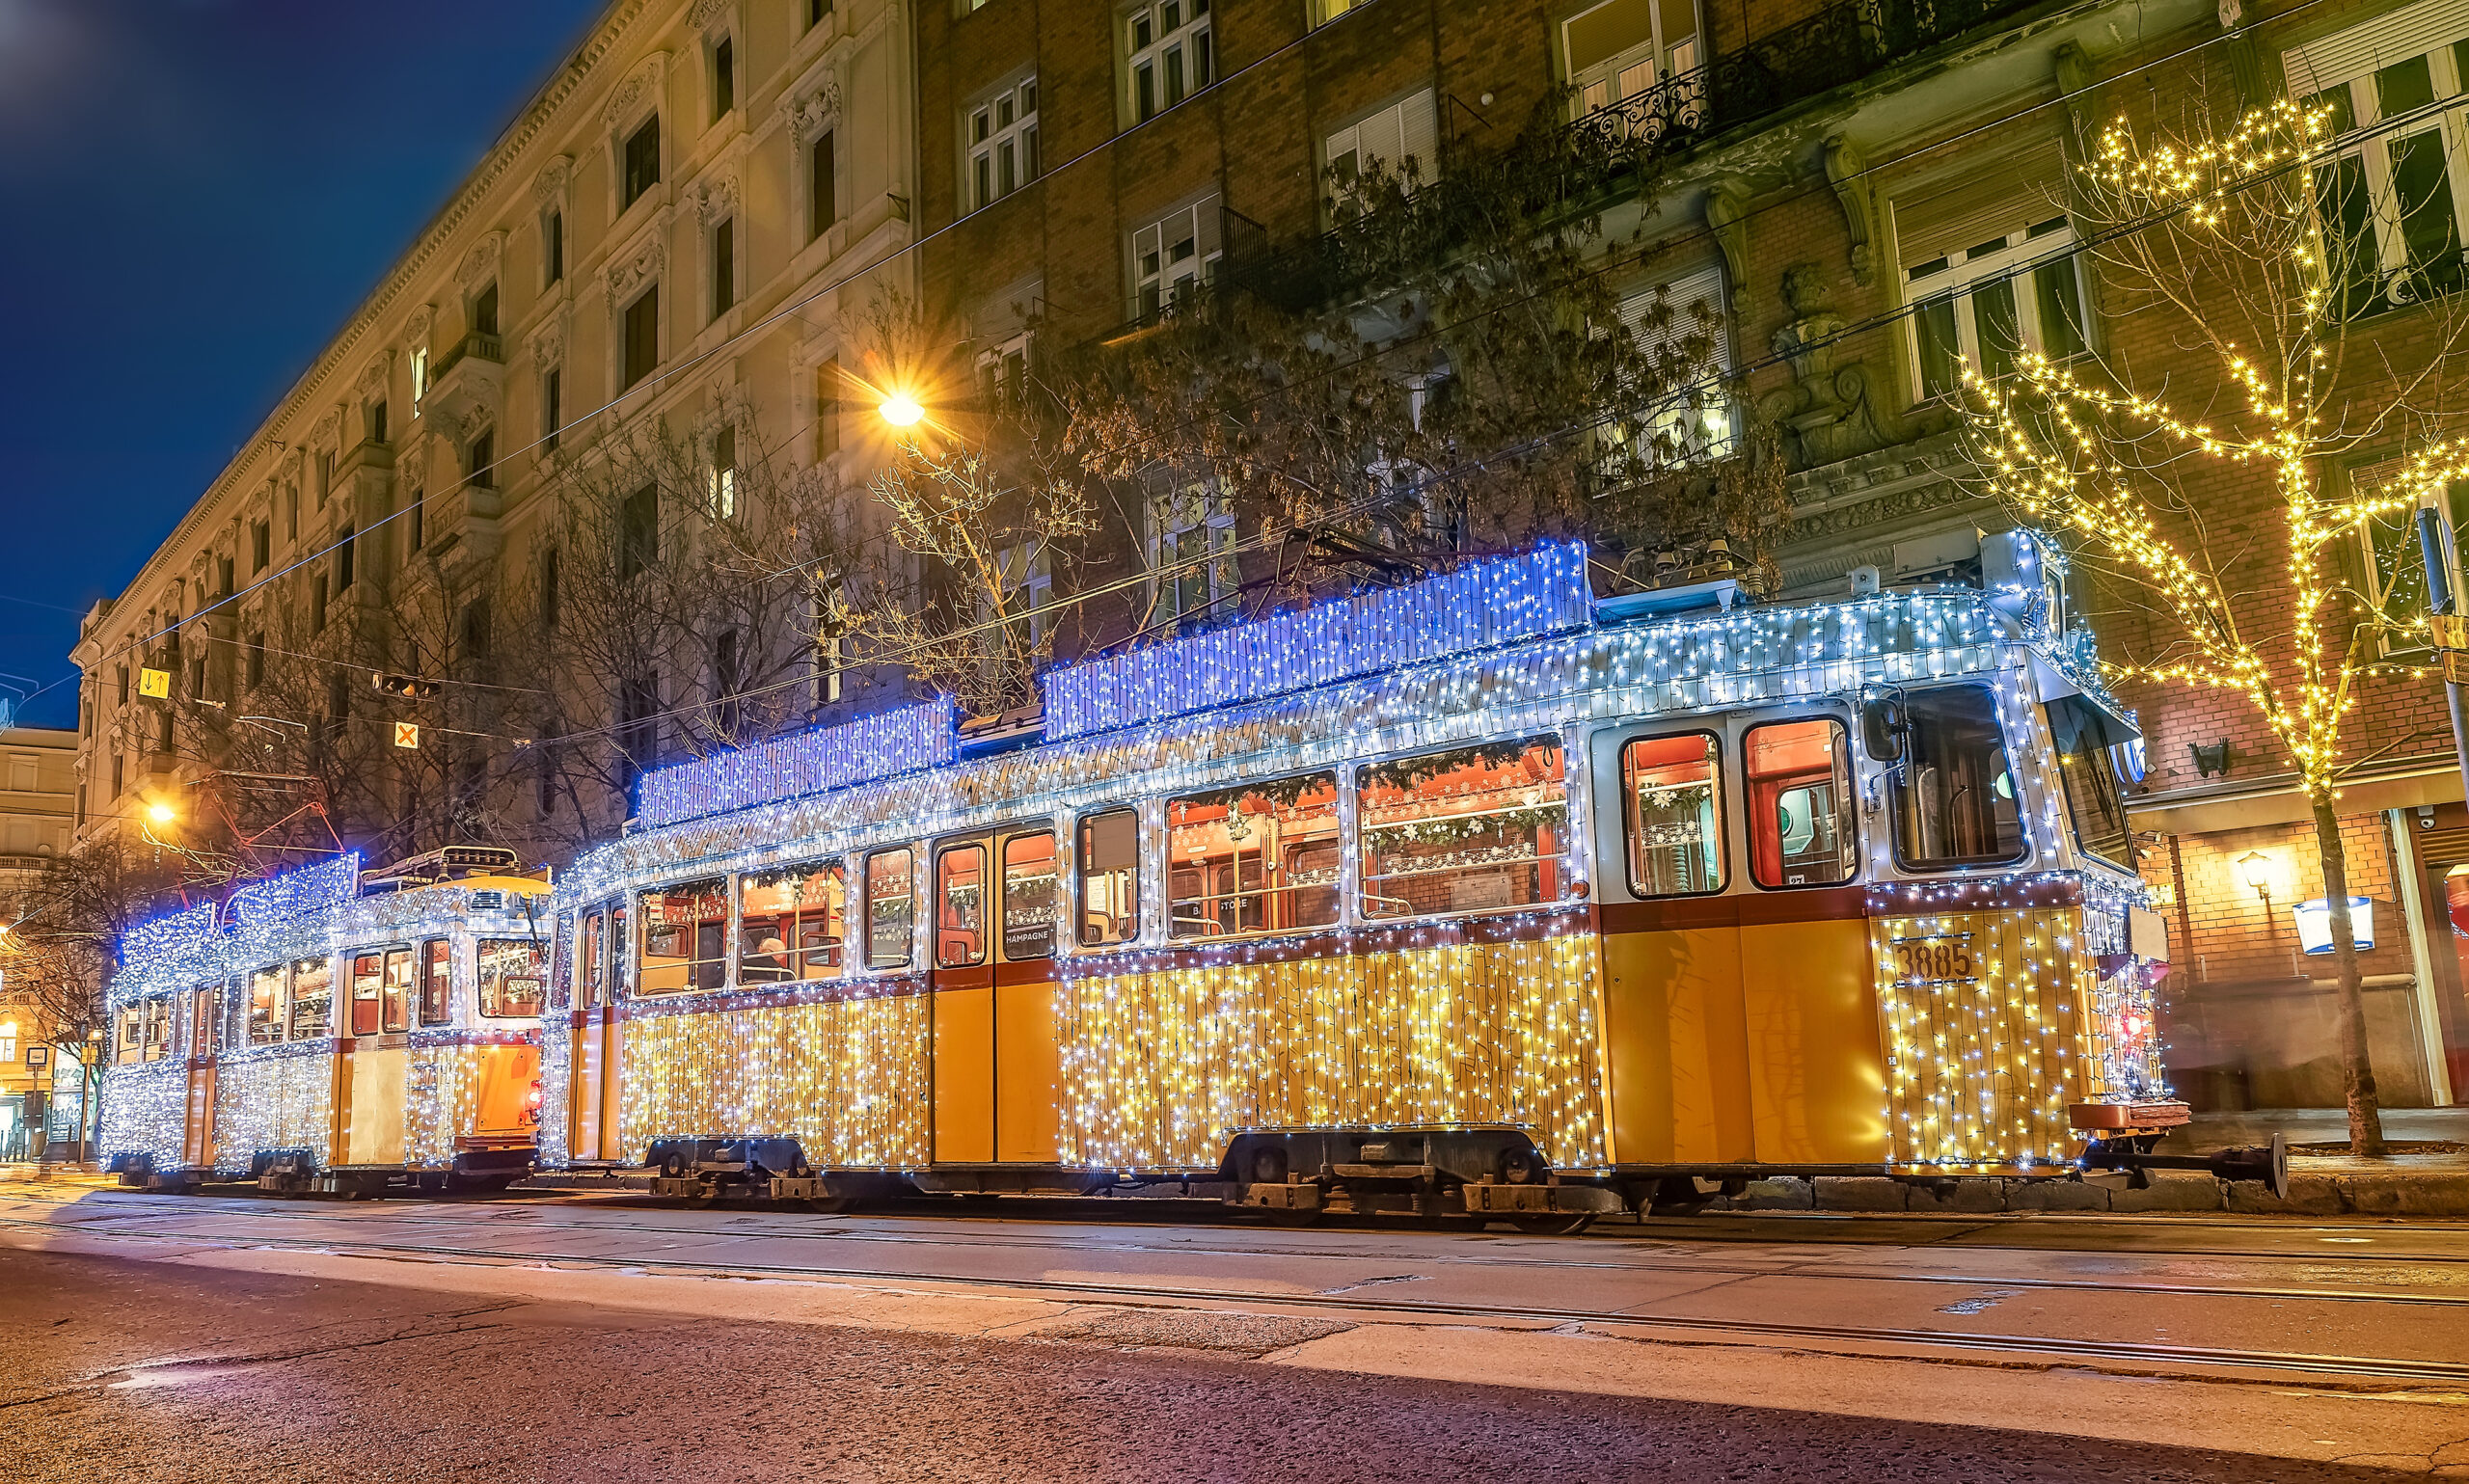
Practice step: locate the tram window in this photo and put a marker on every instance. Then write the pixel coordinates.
(398, 990)
(313, 998)
(592, 961)
(266, 1007)
(1471, 830)
(682, 933)
(132, 1036)
(960, 905)
(1673, 786)
(1798, 777)
(2087, 738)
(368, 974)
(1028, 896)
(437, 983)
(891, 909)
(614, 987)
(509, 978)
(205, 1021)
(1260, 857)
(791, 923)
(158, 1028)
(1954, 792)
(1110, 877)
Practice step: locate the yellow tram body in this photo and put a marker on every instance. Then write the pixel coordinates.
(1817, 888)
(321, 1034)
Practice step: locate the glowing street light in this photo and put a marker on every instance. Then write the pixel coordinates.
(901, 410)
(161, 813)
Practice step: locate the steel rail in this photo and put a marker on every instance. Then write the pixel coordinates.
(1790, 1270)
(2058, 1350)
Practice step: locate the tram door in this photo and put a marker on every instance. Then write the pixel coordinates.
(205, 1040)
(997, 1065)
(600, 947)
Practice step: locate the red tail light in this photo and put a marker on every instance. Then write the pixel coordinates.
(532, 1103)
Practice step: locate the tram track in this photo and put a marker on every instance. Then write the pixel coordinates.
(2114, 1356)
(1688, 1267)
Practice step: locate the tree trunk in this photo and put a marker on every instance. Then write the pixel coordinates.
(2357, 1069)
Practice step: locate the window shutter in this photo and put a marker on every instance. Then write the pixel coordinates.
(1689, 295)
(1208, 222)
(1418, 134)
(1996, 201)
(2345, 56)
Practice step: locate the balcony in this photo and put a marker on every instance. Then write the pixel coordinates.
(467, 376)
(1604, 153)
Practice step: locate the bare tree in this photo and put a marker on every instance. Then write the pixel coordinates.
(2212, 237)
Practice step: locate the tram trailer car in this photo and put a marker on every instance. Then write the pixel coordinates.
(326, 1031)
(1470, 898)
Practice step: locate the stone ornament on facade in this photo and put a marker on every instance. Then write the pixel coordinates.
(1832, 411)
(480, 263)
(551, 183)
(631, 96)
(716, 197)
(813, 113)
(629, 271)
(707, 11)
(372, 385)
(418, 325)
(547, 346)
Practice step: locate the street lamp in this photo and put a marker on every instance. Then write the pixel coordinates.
(901, 410)
(2255, 869)
(161, 813)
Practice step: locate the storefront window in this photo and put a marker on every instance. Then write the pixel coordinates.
(1799, 776)
(685, 931)
(1258, 859)
(1674, 792)
(1472, 830)
(1954, 792)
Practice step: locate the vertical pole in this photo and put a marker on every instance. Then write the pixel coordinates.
(2408, 873)
(2443, 589)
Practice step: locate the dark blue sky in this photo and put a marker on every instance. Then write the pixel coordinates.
(198, 192)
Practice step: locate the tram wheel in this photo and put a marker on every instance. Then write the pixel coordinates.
(1553, 1223)
(830, 1206)
(707, 1195)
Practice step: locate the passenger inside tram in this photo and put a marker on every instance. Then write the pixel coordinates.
(807, 906)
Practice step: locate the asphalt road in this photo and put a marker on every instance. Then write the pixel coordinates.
(219, 1338)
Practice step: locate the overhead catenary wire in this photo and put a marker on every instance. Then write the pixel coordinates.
(649, 385)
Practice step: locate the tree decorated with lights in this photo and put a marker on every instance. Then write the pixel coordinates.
(2217, 231)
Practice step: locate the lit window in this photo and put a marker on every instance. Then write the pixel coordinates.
(2390, 198)
(1799, 779)
(1622, 48)
(891, 909)
(1258, 858)
(684, 941)
(1471, 830)
(1191, 551)
(511, 977)
(793, 923)
(1678, 329)
(1109, 878)
(1672, 794)
(1989, 281)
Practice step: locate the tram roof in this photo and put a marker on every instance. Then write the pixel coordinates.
(1662, 666)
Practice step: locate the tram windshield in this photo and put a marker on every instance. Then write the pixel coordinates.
(792, 923)
(683, 937)
(1471, 830)
(1675, 788)
(2087, 740)
(512, 978)
(1800, 803)
(1954, 790)
(1261, 857)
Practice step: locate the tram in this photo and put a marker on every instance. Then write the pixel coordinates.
(332, 1032)
(1478, 897)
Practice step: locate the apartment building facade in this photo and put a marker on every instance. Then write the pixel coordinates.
(645, 269)
(1864, 194)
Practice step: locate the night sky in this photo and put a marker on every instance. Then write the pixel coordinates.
(197, 195)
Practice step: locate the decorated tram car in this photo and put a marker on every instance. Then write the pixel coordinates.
(328, 1032)
(1476, 896)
